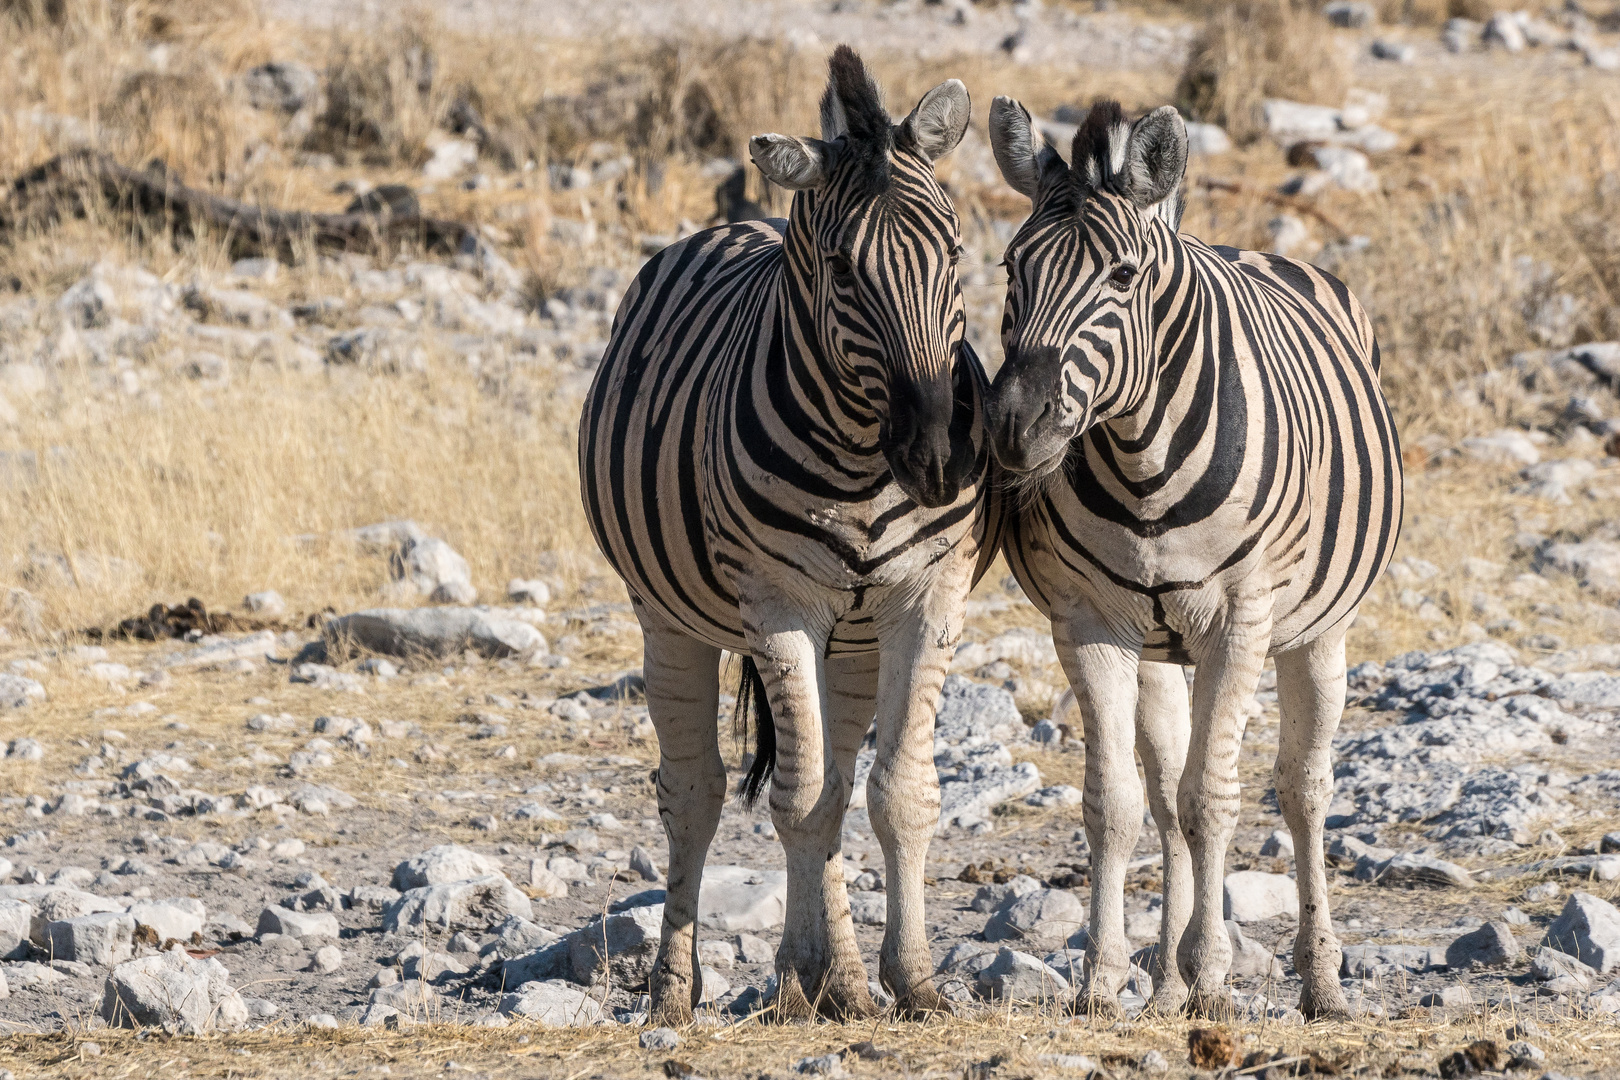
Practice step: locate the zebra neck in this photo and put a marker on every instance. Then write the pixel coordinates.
(1171, 406)
(816, 397)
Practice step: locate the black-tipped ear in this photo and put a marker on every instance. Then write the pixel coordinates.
(940, 119)
(852, 104)
(1022, 154)
(796, 164)
(1155, 162)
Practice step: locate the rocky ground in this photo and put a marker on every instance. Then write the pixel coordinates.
(436, 831)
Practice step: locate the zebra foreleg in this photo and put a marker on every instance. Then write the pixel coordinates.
(818, 968)
(902, 791)
(1104, 674)
(1229, 664)
(1163, 726)
(1310, 692)
(683, 688)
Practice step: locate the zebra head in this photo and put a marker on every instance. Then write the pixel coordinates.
(871, 253)
(1082, 273)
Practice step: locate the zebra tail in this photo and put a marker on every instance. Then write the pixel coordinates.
(751, 695)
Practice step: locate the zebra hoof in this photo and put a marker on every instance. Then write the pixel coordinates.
(1168, 1000)
(1325, 1005)
(1208, 1005)
(1098, 1005)
(922, 1003)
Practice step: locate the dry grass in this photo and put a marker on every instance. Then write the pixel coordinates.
(203, 495)
(1257, 49)
(1016, 1043)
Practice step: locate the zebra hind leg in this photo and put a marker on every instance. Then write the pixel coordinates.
(1310, 692)
(1163, 726)
(683, 690)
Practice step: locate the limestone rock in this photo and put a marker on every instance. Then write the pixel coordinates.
(103, 939)
(1588, 929)
(439, 632)
(1045, 914)
(297, 924)
(553, 1003)
(1492, 945)
(1018, 976)
(173, 989)
(1254, 896)
(441, 864)
(622, 946)
(474, 904)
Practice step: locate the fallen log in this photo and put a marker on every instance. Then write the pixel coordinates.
(72, 180)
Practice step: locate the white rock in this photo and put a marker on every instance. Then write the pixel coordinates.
(55, 903)
(435, 570)
(474, 904)
(1279, 844)
(1503, 32)
(1293, 120)
(1060, 795)
(1588, 929)
(630, 939)
(450, 156)
(1045, 914)
(441, 864)
(16, 691)
(252, 647)
(735, 899)
(1207, 140)
(554, 1003)
(1018, 976)
(525, 591)
(16, 927)
(327, 959)
(172, 989)
(103, 940)
(1505, 447)
(442, 632)
(267, 603)
(176, 919)
(1254, 896)
(869, 908)
(297, 924)
(544, 884)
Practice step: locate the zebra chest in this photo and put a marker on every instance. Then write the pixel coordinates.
(837, 545)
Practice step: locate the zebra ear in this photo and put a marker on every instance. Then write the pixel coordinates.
(1021, 151)
(1155, 162)
(940, 119)
(796, 164)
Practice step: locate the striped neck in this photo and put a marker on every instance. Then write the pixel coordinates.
(1172, 406)
(832, 402)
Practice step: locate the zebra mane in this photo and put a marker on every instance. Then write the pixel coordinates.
(853, 106)
(1098, 155)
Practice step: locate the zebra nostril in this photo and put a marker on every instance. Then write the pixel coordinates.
(1029, 429)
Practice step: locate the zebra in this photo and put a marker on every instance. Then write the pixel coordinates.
(1206, 472)
(784, 455)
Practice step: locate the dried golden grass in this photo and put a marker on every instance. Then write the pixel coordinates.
(1255, 49)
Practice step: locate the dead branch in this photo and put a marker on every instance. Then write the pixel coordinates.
(40, 196)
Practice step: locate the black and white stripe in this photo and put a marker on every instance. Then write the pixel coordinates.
(783, 455)
(1208, 474)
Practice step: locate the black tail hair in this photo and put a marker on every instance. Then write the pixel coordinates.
(751, 696)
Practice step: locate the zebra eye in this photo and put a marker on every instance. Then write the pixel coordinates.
(1122, 276)
(956, 254)
(840, 267)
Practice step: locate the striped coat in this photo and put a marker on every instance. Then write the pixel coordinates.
(784, 455)
(1207, 473)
